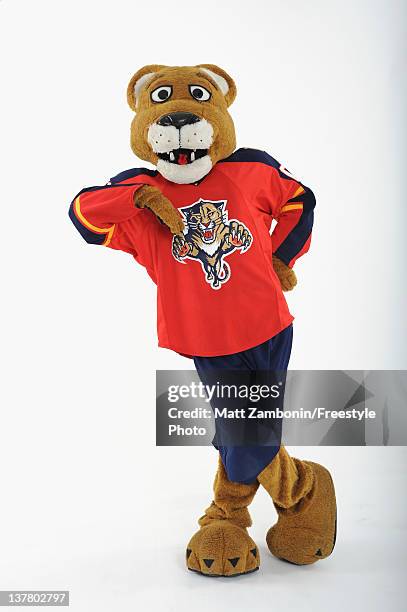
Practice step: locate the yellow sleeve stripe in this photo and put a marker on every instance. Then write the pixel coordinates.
(109, 236)
(291, 207)
(99, 230)
(299, 191)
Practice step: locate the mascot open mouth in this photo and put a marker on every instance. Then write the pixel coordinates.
(182, 142)
(182, 156)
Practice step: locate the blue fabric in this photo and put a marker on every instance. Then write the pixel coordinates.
(132, 173)
(259, 364)
(87, 234)
(296, 239)
(246, 154)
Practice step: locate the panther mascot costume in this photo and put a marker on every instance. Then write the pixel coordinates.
(200, 224)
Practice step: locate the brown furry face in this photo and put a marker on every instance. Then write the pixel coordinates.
(156, 93)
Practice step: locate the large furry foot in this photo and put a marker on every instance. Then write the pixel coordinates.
(307, 533)
(222, 549)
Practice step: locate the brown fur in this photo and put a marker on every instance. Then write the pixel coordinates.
(231, 500)
(287, 480)
(152, 198)
(214, 110)
(286, 275)
(304, 496)
(223, 543)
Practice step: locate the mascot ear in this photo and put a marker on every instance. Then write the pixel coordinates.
(138, 81)
(221, 79)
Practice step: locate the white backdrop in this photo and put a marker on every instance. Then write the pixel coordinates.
(89, 503)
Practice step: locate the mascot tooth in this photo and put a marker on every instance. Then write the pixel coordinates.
(210, 207)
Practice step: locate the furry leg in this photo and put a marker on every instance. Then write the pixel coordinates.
(222, 547)
(304, 496)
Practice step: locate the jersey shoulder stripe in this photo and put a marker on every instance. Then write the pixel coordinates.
(252, 155)
(132, 173)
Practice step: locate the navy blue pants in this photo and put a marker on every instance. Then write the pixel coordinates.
(262, 364)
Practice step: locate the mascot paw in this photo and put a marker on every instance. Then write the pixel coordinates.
(286, 275)
(298, 546)
(307, 533)
(222, 549)
(152, 198)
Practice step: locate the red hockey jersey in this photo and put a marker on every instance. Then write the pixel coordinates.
(217, 290)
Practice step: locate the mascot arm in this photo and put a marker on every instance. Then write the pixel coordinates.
(150, 197)
(98, 213)
(108, 215)
(291, 237)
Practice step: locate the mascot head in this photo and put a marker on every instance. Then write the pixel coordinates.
(182, 124)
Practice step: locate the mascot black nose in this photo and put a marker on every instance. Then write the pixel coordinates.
(178, 119)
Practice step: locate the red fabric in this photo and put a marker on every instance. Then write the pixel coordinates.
(194, 318)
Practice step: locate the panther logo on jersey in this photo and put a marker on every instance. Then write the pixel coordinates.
(209, 237)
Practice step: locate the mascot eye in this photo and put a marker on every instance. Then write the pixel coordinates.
(199, 93)
(161, 94)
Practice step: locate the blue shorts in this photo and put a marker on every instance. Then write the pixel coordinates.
(258, 365)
